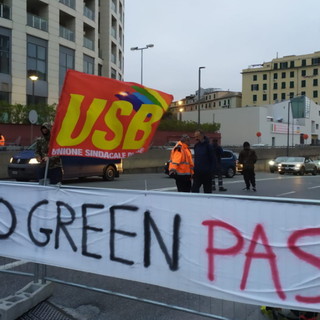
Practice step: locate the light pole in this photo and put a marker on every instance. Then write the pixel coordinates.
(180, 114)
(33, 77)
(199, 86)
(288, 132)
(141, 49)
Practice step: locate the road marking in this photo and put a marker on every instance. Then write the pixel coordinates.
(284, 194)
(12, 265)
(315, 187)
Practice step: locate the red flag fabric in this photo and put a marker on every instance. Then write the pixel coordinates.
(105, 118)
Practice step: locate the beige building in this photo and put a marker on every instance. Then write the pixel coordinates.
(210, 99)
(282, 79)
(48, 37)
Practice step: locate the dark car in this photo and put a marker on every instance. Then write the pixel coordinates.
(273, 164)
(24, 166)
(298, 165)
(228, 163)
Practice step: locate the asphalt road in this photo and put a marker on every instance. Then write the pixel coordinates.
(85, 304)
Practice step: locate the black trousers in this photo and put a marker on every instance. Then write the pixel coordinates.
(54, 174)
(183, 183)
(202, 178)
(249, 177)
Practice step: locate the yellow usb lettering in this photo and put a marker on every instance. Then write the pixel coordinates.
(114, 124)
(64, 136)
(138, 123)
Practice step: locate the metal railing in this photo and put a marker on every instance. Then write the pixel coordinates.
(37, 22)
(66, 33)
(5, 11)
(69, 3)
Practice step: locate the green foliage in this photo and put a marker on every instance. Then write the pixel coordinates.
(19, 113)
(170, 124)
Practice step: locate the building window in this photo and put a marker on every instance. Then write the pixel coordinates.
(291, 84)
(291, 64)
(275, 86)
(4, 96)
(88, 64)
(315, 82)
(113, 73)
(275, 66)
(303, 62)
(254, 98)
(4, 54)
(254, 87)
(37, 57)
(291, 74)
(315, 72)
(315, 94)
(265, 77)
(303, 93)
(283, 96)
(66, 61)
(283, 75)
(303, 73)
(283, 65)
(255, 77)
(264, 97)
(275, 76)
(275, 96)
(264, 86)
(303, 83)
(283, 85)
(315, 61)
(291, 95)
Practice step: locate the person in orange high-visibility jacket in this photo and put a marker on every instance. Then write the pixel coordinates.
(181, 164)
(2, 140)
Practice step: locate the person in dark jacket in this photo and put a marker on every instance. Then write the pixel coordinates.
(218, 151)
(248, 157)
(204, 162)
(41, 152)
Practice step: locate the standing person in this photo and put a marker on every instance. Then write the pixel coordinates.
(181, 164)
(204, 163)
(248, 157)
(42, 148)
(2, 140)
(218, 151)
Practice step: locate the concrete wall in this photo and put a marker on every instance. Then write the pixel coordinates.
(154, 159)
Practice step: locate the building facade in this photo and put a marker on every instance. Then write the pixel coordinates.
(282, 79)
(210, 99)
(47, 38)
(270, 125)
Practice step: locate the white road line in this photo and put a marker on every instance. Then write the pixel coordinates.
(315, 187)
(284, 194)
(12, 265)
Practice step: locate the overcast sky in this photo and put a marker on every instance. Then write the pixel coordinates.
(225, 36)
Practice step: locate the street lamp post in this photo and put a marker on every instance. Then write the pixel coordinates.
(288, 132)
(141, 49)
(33, 77)
(199, 87)
(180, 114)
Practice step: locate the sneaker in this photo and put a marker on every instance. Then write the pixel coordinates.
(254, 189)
(222, 189)
(246, 188)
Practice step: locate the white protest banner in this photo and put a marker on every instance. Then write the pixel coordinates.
(251, 250)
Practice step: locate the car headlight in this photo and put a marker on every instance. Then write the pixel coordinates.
(271, 162)
(298, 165)
(11, 159)
(33, 161)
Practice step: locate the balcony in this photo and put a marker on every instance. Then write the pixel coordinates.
(88, 13)
(87, 43)
(37, 22)
(69, 3)
(5, 11)
(66, 33)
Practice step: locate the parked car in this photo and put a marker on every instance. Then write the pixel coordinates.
(273, 164)
(239, 166)
(298, 165)
(228, 163)
(24, 166)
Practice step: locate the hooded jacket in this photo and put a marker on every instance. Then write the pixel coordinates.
(181, 162)
(247, 157)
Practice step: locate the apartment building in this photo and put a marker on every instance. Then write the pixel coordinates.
(282, 79)
(210, 99)
(46, 38)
